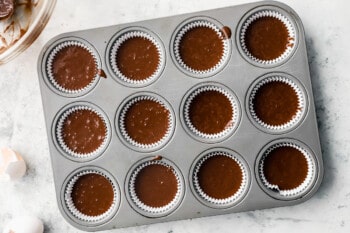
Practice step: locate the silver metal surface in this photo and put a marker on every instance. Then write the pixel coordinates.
(182, 149)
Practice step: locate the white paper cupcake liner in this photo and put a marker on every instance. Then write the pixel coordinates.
(149, 209)
(51, 58)
(226, 201)
(303, 186)
(125, 134)
(63, 145)
(227, 130)
(119, 42)
(188, 27)
(301, 103)
(284, 20)
(70, 204)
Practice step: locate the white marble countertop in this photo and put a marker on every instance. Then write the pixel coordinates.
(22, 122)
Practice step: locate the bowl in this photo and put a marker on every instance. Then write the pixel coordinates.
(20, 30)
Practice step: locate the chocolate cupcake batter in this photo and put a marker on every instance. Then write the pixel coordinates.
(226, 32)
(7, 8)
(201, 48)
(156, 185)
(211, 112)
(147, 121)
(74, 68)
(83, 131)
(267, 38)
(285, 167)
(220, 177)
(276, 103)
(92, 194)
(137, 58)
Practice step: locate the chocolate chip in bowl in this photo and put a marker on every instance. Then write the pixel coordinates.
(7, 7)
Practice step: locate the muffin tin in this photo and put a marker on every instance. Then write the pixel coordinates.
(235, 78)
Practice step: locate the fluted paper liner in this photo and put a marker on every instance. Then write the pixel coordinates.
(226, 201)
(124, 132)
(119, 42)
(235, 112)
(275, 14)
(188, 27)
(149, 209)
(70, 204)
(301, 103)
(59, 132)
(51, 58)
(303, 186)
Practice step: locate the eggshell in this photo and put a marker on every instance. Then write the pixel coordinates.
(24, 224)
(12, 165)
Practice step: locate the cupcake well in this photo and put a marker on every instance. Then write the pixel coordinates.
(294, 193)
(121, 119)
(231, 124)
(136, 202)
(69, 203)
(119, 40)
(262, 13)
(58, 131)
(55, 49)
(193, 24)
